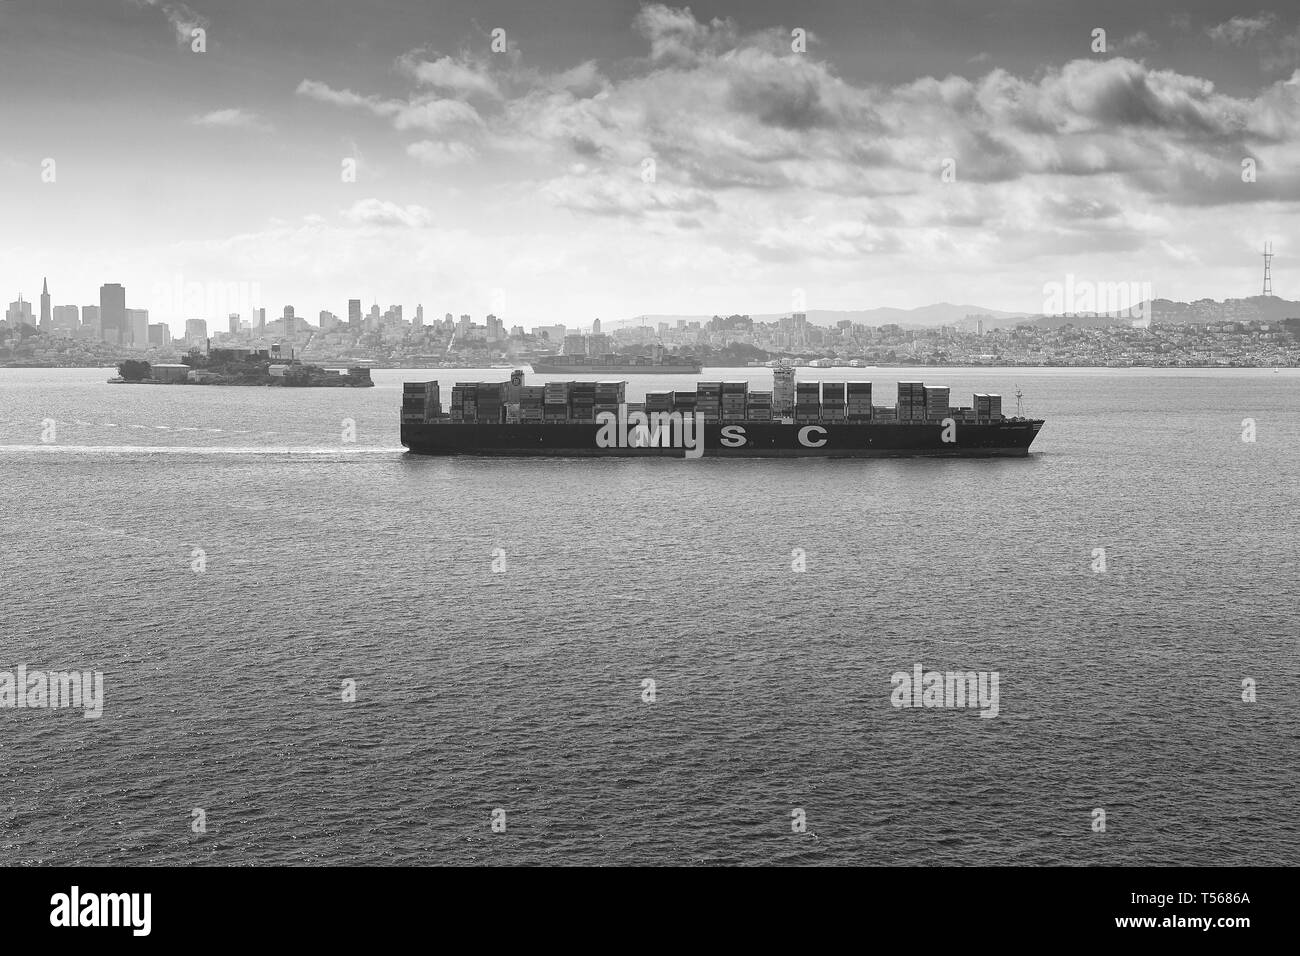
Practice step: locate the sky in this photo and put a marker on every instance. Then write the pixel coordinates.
(563, 161)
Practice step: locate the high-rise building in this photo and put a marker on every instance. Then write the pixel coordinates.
(160, 334)
(234, 323)
(419, 317)
(259, 320)
(67, 317)
(595, 327)
(19, 313)
(137, 326)
(354, 314)
(328, 321)
(47, 320)
(112, 314)
(196, 331)
(90, 320)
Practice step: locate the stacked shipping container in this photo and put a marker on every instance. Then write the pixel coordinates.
(987, 407)
(734, 400)
(858, 407)
(609, 395)
(709, 402)
(911, 402)
(832, 401)
(582, 401)
(420, 402)
(937, 402)
(685, 402)
(814, 402)
(555, 402)
(807, 402)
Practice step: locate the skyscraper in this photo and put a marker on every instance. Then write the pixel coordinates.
(19, 313)
(595, 327)
(259, 320)
(234, 323)
(112, 314)
(196, 331)
(354, 314)
(47, 320)
(419, 317)
(90, 320)
(137, 325)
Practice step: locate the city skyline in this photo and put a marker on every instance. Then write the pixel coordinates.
(659, 160)
(235, 302)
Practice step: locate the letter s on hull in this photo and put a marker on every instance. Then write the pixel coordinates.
(805, 438)
(733, 436)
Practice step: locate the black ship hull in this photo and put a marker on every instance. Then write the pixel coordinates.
(1006, 438)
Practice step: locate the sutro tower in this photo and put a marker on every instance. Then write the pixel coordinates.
(1268, 268)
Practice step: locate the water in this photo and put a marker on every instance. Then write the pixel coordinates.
(329, 561)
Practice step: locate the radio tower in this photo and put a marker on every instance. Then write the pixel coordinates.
(1268, 268)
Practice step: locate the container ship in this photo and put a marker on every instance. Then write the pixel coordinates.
(660, 363)
(724, 419)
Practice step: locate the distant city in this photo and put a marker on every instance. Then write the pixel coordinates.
(1252, 332)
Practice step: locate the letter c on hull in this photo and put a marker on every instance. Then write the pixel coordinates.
(807, 441)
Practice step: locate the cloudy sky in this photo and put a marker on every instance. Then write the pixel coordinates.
(613, 158)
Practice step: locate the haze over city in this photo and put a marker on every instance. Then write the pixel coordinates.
(616, 159)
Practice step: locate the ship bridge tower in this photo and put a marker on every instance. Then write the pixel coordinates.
(783, 389)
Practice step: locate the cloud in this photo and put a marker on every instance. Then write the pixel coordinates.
(1241, 30)
(231, 119)
(378, 212)
(462, 78)
(772, 155)
(1136, 43)
(183, 18)
(423, 112)
(433, 153)
(322, 92)
(1278, 50)
(677, 38)
(624, 195)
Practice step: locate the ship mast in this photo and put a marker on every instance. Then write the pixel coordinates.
(1020, 413)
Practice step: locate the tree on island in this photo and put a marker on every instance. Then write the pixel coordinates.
(134, 370)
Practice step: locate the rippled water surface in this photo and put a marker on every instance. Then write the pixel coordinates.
(329, 560)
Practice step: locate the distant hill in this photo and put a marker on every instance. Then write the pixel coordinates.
(1263, 308)
(941, 313)
(1259, 308)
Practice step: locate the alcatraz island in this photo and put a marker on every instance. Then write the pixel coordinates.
(234, 366)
